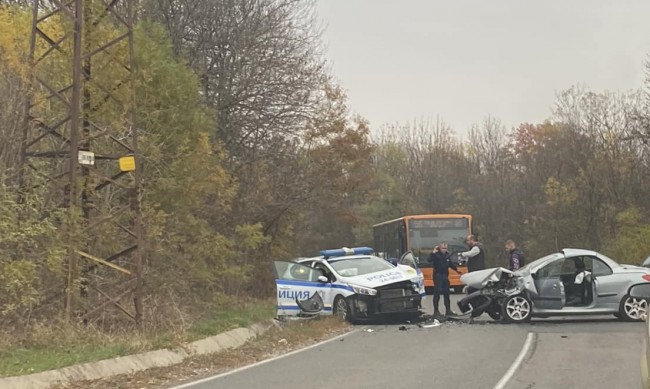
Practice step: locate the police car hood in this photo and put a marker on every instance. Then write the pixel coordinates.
(479, 279)
(384, 277)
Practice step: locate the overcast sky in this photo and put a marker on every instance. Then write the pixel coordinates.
(466, 59)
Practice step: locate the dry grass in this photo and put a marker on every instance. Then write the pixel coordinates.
(277, 341)
(48, 346)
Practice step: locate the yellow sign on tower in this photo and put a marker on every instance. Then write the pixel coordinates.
(127, 164)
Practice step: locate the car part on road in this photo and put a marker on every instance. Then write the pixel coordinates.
(475, 304)
(312, 305)
(435, 323)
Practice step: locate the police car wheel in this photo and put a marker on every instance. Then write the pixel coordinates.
(341, 308)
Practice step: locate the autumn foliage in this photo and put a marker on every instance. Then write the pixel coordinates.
(251, 154)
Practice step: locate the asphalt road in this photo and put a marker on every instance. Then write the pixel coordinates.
(590, 352)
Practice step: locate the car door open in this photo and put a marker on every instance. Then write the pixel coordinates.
(300, 289)
(550, 289)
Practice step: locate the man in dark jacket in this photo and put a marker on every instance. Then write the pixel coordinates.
(475, 257)
(441, 263)
(516, 258)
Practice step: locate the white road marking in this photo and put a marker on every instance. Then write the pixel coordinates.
(215, 377)
(515, 365)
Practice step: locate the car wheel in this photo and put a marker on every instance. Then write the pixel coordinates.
(458, 289)
(341, 308)
(633, 309)
(517, 309)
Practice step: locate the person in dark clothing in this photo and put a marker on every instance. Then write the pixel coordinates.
(516, 258)
(441, 263)
(475, 257)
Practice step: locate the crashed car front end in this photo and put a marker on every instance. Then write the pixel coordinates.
(391, 299)
(493, 288)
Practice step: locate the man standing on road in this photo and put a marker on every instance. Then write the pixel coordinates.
(475, 257)
(515, 256)
(441, 264)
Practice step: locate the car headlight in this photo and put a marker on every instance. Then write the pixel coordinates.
(363, 290)
(520, 282)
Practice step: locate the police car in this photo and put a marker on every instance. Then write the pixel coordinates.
(351, 283)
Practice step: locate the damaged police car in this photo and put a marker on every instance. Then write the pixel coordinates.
(351, 283)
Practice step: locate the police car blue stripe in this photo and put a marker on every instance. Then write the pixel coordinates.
(313, 284)
(297, 308)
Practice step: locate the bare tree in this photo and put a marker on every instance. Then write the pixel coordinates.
(259, 61)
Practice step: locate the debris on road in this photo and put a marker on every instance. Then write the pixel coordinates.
(435, 323)
(369, 330)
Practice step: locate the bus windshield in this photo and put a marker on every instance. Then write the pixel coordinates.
(425, 234)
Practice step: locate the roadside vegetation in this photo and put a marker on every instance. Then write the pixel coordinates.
(277, 341)
(53, 345)
(251, 153)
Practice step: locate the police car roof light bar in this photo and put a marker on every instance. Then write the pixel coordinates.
(346, 251)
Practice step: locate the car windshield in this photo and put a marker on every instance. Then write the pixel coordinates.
(359, 266)
(538, 261)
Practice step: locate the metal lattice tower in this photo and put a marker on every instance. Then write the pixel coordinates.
(81, 139)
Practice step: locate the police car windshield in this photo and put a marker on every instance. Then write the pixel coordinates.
(350, 267)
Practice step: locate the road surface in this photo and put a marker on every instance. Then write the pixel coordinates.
(590, 352)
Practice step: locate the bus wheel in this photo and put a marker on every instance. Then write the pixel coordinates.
(458, 289)
(428, 290)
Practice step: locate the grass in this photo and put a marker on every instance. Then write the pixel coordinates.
(33, 360)
(227, 319)
(52, 347)
(277, 341)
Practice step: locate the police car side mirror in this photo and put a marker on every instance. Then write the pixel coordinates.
(323, 279)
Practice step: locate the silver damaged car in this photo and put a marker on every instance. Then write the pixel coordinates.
(571, 282)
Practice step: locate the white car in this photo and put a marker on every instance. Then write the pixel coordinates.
(351, 283)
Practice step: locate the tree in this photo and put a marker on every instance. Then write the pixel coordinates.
(338, 157)
(631, 244)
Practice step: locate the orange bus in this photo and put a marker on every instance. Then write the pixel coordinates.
(419, 234)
